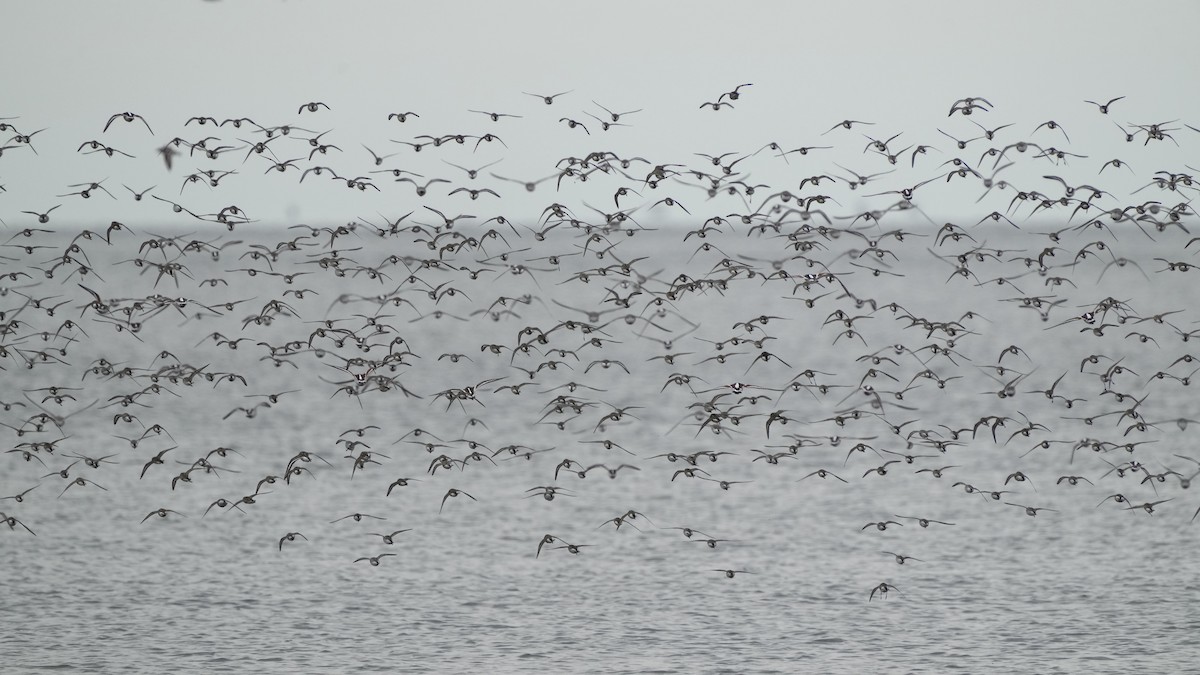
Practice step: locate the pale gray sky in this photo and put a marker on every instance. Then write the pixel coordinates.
(900, 65)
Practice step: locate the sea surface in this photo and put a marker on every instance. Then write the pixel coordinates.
(1086, 585)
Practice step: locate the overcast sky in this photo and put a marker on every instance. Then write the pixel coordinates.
(900, 65)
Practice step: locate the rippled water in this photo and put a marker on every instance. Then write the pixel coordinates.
(1080, 589)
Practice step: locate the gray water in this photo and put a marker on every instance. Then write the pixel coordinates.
(1087, 585)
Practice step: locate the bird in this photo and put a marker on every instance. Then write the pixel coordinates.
(549, 100)
(883, 589)
(13, 521)
(1031, 510)
(733, 95)
(374, 560)
(825, 473)
(161, 513)
(729, 574)
(357, 517)
(290, 536)
(128, 117)
(453, 492)
(389, 538)
(545, 540)
(1103, 107)
(924, 522)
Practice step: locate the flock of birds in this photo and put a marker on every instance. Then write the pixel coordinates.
(573, 329)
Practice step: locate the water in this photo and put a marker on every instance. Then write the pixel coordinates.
(181, 351)
(1084, 588)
